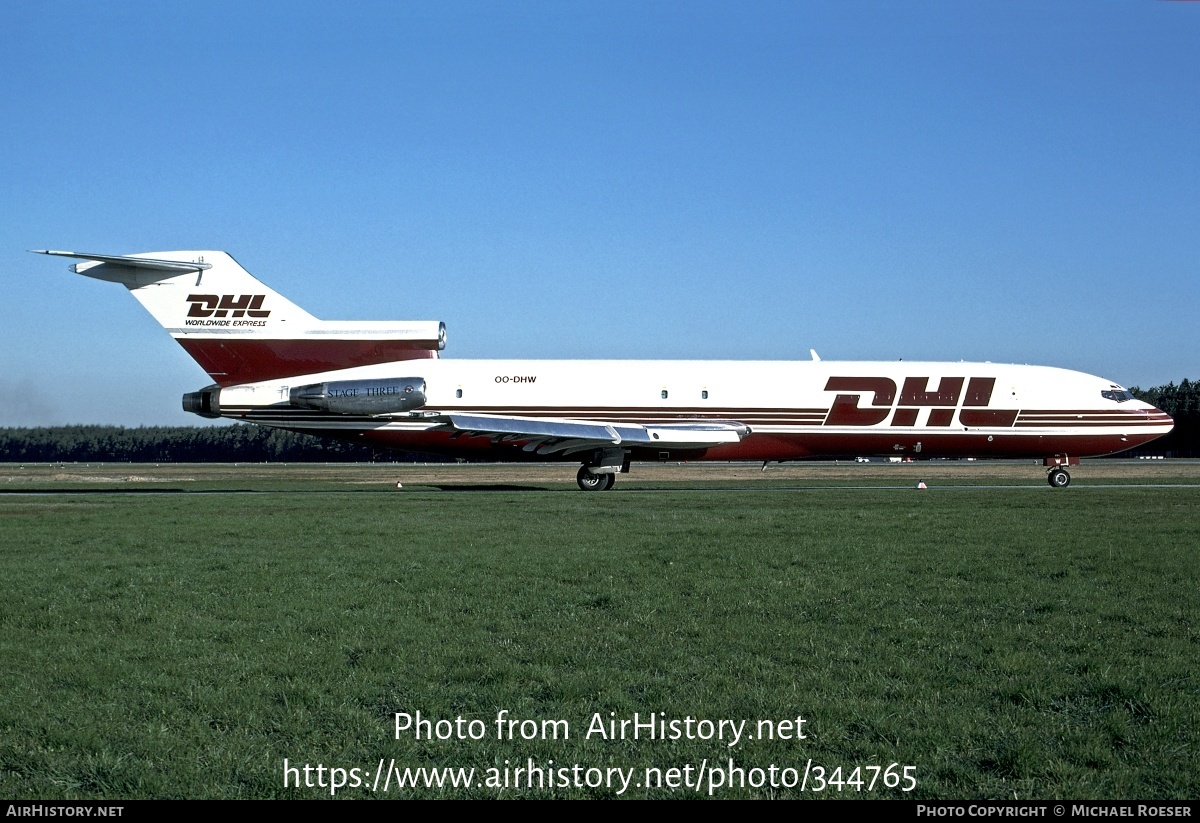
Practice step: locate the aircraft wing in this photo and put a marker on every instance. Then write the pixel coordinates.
(548, 435)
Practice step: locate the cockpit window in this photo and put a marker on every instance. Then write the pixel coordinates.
(1119, 395)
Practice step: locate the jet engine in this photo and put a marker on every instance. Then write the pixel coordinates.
(398, 394)
(206, 402)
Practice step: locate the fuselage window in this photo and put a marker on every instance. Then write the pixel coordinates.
(664, 394)
(458, 393)
(704, 394)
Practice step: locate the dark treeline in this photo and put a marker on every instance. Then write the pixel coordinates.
(1182, 402)
(185, 444)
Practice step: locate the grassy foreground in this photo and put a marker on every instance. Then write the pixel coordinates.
(1003, 642)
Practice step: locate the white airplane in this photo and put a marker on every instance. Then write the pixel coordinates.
(385, 384)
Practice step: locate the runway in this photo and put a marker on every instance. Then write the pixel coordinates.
(507, 489)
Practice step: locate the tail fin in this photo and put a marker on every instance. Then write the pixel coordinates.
(241, 331)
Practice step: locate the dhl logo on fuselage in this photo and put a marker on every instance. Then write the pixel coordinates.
(214, 305)
(915, 395)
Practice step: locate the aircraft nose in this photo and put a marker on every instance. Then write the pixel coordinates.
(1158, 415)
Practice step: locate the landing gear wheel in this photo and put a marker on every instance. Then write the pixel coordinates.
(591, 482)
(1059, 478)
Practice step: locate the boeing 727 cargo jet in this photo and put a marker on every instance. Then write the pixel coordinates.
(386, 385)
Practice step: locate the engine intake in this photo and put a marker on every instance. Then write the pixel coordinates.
(398, 394)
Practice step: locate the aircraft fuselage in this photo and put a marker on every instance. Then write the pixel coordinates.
(793, 409)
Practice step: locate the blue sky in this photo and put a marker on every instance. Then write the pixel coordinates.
(1015, 181)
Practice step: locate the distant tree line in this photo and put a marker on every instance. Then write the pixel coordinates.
(243, 443)
(1182, 402)
(239, 443)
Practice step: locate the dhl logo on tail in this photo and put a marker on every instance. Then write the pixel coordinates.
(213, 305)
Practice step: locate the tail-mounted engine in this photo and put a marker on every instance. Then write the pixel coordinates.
(399, 394)
(206, 402)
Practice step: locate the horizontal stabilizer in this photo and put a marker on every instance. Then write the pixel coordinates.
(128, 261)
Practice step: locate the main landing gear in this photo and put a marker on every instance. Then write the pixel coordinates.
(590, 481)
(1057, 475)
(600, 472)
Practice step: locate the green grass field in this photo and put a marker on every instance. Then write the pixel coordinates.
(1005, 643)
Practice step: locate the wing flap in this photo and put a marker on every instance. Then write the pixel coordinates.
(547, 434)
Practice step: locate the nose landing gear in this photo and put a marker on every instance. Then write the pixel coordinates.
(1058, 477)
